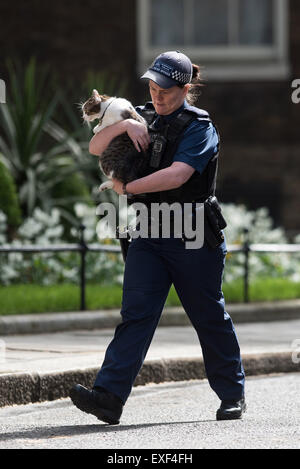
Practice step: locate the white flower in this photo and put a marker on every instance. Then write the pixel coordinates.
(30, 228)
(54, 232)
(41, 216)
(3, 219)
(15, 257)
(8, 273)
(80, 210)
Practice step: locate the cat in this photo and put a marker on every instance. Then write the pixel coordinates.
(120, 160)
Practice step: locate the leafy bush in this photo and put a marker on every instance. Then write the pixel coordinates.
(9, 203)
(39, 153)
(44, 142)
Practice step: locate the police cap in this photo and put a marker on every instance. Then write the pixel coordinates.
(170, 69)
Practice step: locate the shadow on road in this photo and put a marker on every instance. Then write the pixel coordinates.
(73, 430)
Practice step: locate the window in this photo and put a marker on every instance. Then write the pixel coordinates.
(232, 38)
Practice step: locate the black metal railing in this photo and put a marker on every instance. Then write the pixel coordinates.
(80, 247)
(246, 248)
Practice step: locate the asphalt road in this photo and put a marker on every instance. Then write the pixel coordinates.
(177, 415)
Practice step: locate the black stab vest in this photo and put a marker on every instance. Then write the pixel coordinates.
(199, 186)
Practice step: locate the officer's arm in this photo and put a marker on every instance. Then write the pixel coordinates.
(137, 131)
(164, 179)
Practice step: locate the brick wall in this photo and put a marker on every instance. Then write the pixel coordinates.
(71, 35)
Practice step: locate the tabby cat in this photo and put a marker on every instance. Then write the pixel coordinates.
(120, 160)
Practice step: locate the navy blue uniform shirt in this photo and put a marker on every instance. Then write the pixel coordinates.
(198, 144)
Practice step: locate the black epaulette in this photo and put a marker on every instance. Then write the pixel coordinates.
(182, 121)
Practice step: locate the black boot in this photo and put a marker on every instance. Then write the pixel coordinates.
(99, 402)
(231, 410)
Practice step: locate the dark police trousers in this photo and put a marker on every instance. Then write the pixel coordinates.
(152, 265)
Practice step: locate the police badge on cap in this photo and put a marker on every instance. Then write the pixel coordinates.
(170, 69)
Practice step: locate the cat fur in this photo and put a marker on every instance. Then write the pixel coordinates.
(120, 160)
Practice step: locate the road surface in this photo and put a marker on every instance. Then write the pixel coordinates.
(177, 415)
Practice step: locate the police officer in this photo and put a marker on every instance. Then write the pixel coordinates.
(183, 170)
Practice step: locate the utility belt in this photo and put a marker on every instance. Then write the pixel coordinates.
(214, 223)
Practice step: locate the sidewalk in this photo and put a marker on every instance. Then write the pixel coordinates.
(38, 364)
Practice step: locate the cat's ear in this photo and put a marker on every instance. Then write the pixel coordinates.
(96, 95)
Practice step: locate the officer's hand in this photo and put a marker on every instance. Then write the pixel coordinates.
(138, 133)
(117, 186)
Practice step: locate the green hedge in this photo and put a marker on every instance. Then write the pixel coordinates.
(25, 299)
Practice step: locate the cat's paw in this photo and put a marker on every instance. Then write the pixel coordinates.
(96, 129)
(106, 185)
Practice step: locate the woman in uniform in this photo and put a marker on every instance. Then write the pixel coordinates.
(185, 172)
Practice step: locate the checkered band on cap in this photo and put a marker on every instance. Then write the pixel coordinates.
(181, 77)
(171, 72)
(170, 69)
